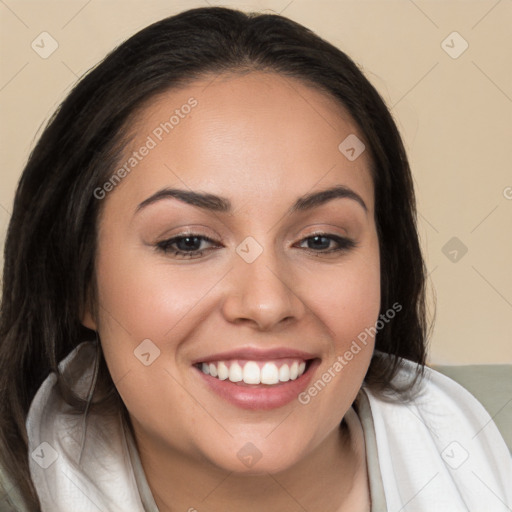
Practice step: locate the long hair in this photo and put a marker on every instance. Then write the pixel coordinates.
(50, 248)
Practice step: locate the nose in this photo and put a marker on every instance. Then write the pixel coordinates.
(262, 294)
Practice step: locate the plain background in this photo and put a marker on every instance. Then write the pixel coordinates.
(453, 108)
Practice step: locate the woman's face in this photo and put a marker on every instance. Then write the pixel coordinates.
(270, 277)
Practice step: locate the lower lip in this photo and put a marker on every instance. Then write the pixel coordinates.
(260, 397)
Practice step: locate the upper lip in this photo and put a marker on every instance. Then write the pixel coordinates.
(255, 354)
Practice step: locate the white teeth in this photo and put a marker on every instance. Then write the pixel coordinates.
(294, 370)
(270, 373)
(235, 372)
(252, 373)
(223, 371)
(284, 373)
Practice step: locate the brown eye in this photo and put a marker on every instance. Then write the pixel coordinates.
(322, 243)
(187, 246)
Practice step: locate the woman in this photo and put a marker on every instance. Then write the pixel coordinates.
(215, 238)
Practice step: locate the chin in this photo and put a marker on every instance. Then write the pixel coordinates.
(258, 457)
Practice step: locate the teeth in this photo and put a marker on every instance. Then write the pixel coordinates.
(284, 373)
(253, 372)
(294, 370)
(269, 374)
(223, 371)
(235, 373)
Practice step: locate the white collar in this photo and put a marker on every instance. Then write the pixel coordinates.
(104, 480)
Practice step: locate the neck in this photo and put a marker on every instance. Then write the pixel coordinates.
(332, 478)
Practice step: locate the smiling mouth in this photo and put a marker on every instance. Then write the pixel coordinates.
(258, 381)
(256, 373)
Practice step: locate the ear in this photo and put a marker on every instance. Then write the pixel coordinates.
(88, 321)
(86, 316)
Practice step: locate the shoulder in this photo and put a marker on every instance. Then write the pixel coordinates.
(478, 396)
(491, 385)
(441, 447)
(481, 390)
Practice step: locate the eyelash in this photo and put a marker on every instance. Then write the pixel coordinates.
(345, 244)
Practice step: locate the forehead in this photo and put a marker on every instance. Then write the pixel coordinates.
(255, 135)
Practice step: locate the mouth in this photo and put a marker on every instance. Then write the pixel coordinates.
(244, 372)
(259, 382)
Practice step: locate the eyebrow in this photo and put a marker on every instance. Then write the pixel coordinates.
(213, 203)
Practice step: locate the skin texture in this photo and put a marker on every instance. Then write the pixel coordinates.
(261, 140)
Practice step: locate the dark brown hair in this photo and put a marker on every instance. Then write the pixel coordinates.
(51, 241)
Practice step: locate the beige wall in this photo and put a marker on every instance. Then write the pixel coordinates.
(454, 114)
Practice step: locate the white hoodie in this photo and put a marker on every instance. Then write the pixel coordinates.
(441, 452)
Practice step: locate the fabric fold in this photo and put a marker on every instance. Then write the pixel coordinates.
(441, 452)
(103, 480)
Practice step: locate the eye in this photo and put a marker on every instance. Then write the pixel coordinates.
(185, 246)
(320, 243)
(190, 245)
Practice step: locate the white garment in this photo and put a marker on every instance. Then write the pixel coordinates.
(103, 480)
(440, 453)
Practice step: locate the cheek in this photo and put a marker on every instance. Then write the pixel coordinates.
(142, 297)
(145, 297)
(347, 302)
(346, 299)
(359, 304)
(141, 300)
